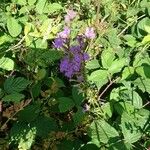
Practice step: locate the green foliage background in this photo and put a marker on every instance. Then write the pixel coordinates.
(41, 109)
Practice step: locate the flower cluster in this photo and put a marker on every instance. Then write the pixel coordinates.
(73, 62)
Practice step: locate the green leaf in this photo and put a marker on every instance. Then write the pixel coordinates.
(107, 110)
(117, 65)
(65, 104)
(144, 70)
(93, 64)
(144, 24)
(140, 59)
(29, 113)
(130, 130)
(107, 57)
(21, 2)
(53, 7)
(121, 107)
(42, 57)
(5, 39)
(101, 131)
(78, 116)
(77, 96)
(13, 85)
(36, 89)
(22, 135)
(127, 72)
(6, 63)
(14, 97)
(146, 39)
(44, 125)
(143, 84)
(13, 26)
(40, 6)
(136, 100)
(31, 2)
(99, 77)
(130, 40)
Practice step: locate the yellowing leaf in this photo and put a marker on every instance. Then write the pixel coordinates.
(146, 39)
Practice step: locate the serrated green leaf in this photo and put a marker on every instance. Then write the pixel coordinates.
(117, 65)
(13, 85)
(65, 104)
(130, 130)
(14, 97)
(99, 77)
(44, 125)
(101, 131)
(136, 100)
(29, 113)
(143, 84)
(13, 26)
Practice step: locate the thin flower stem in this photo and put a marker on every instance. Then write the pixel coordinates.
(111, 82)
(17, 45)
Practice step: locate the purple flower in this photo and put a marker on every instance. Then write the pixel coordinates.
(89, 33)
(86, 56)
(64, 64)
(70, 16)
(58, 42)
(75, 48)
(78, 58)
(64, 34)
(80, 40)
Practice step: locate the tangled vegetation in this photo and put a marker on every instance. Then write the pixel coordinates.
(74, 75)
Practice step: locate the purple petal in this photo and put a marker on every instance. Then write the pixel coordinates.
(86, 56)
(58, 43)
(72, 14)
(64, 34)
(89, 33)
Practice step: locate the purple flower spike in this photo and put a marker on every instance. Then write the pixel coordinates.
(58, 42)
(89, 33)
(64, 34)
